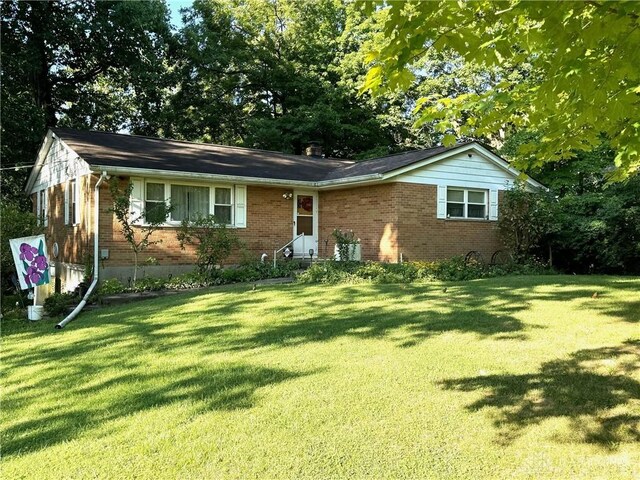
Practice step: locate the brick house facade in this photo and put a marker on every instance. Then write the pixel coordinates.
(423, 205)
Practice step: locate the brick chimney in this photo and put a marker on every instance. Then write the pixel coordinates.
(314, 150)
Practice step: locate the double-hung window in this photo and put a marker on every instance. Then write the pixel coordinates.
(466, 203)
(72, 203)
(154, 205)
(42, 207)
(222, 205)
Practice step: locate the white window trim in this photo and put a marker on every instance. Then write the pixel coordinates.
(43, 207)
(70, 203)
(212, 204)
(465, 203)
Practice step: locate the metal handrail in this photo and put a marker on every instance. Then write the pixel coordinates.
(275, 252)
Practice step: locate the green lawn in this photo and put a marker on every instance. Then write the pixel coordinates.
(525, 377)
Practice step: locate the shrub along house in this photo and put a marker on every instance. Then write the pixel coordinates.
(421, 205)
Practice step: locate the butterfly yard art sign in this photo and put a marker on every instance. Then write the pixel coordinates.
(30, 257)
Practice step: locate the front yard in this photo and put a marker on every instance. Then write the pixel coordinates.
(525, 377)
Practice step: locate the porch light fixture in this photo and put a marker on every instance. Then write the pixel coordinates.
(287, 195)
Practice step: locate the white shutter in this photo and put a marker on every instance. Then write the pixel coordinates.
(136, 201)
(493, 204)
(67, 186)
(241, 206)
(45, 206)
(442, 201)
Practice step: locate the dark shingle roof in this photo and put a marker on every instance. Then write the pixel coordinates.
(387, 164)
(130, 151)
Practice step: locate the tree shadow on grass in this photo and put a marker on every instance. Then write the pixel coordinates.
(589, 389)
(229, 387)
(212, 326)
(377, 323)
(626, 311)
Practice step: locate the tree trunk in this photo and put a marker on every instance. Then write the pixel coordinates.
(41, 87)
(135, 267)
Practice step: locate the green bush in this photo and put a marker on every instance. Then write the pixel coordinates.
(149, 284)
(213, 241)
(189, 280)
(110, 286)
(453, 269)
(59, 303)
(600, 232)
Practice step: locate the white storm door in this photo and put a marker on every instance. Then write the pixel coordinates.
(305, 223)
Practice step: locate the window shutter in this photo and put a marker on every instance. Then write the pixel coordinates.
(67, 186)
(136, 201)
(241, 206)
(493, 204)
(442, 201)
(45, 206)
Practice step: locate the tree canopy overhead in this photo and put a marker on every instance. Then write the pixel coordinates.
(569, 71)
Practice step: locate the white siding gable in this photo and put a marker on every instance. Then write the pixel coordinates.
(461, 170)
(60, 164)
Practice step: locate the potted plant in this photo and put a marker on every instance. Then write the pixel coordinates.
(347, 246)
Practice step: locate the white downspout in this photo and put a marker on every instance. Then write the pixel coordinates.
(96, 256)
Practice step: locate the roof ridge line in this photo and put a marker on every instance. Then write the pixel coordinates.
(190, 142)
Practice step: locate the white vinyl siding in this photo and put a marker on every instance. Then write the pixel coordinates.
(462, 171)
(59, 166)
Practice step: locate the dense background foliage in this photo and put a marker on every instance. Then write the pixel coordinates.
(278, 74)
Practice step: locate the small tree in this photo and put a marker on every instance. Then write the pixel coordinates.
(345, 244)
(526, 220)
(213, 240)
(136, 228)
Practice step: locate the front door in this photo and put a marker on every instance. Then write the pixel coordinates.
(305, 223)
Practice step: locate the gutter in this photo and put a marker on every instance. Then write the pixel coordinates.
(96, 256)
(149, 172)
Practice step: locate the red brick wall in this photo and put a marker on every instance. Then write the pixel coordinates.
(390, 219)
(74, 241)
(400, 218)
(422, 236)
(269, 227)
(370, 212)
